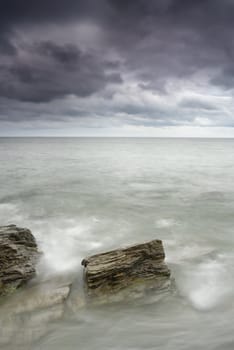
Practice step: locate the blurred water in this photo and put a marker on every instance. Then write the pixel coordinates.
(82, 196)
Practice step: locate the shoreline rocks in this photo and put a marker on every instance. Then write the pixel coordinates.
(18, 257)
(121, 275)
(32, 312)
(116, 275)
(127, 273)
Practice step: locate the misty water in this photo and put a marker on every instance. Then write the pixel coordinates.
(83, 196)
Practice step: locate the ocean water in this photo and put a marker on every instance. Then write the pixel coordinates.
(81, 196)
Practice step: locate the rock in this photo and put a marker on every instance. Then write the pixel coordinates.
(126, 273)
(32, 312)
(24, 329)
(18, 257)
(38, 297)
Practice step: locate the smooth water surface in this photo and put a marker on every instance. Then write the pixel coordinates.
(82, 196)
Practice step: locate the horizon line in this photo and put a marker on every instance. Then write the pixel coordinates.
(116, 137)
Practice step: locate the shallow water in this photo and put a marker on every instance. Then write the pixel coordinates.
(82, 196)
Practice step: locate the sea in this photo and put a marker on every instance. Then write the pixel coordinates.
(81, 196)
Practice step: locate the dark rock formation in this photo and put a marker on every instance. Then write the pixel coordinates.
(18, 257)
(129, 272)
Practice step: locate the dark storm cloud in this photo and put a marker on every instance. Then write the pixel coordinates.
(50, 70)
(31, 11)
(54, 71)
(156, 41)
(6, 46)
(174, 39)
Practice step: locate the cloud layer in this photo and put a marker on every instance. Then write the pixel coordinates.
(113, 62)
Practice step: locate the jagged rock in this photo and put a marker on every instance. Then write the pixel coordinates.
(18, 257)
(129, 272)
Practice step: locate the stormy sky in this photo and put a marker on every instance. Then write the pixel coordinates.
(117, 68)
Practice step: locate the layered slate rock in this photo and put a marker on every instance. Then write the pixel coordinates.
(18, 257)
(129, 272)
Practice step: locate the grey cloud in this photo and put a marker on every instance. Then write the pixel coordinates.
(196, 103)
(34, 11)
(68, 55)
(53, 72)
(157, 42)
(175, 39)
(225, 78)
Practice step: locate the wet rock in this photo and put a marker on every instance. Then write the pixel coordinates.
(21, 330)
(32, 312)
(18, 257)
(127, 273)
(41, 296)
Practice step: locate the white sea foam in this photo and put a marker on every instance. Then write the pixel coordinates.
(207, 284)
(164, 223)
(67, 241)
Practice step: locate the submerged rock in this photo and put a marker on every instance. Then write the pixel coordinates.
(18, 257)
(127, 273)
(32, 312)
(41, 296)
